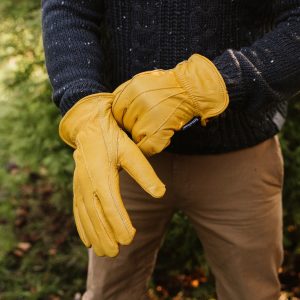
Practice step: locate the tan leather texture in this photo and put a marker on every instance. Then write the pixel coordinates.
(101, 150)
(154, 104)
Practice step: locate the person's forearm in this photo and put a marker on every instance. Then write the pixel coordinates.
(268, 70)
(71, 31)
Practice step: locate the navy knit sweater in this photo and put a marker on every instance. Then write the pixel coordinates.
(93, 46)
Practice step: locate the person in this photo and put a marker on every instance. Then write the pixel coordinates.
(127, 77)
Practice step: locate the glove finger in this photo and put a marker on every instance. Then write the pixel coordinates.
(79, 227)
(138, 167)
(100, 244)
(156, 143)
(95, 239)
(101, 176)
(130, 91)
(120, 88)
(113, 207)
(76, 199)
(158, 106)
(95, 223)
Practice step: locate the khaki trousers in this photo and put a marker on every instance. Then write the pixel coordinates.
(234, 202)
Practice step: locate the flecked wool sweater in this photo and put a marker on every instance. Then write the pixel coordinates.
(93, 46)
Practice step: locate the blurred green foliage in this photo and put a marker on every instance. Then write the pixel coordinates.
(36, 178)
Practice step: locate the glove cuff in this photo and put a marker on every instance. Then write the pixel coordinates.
(204, 85)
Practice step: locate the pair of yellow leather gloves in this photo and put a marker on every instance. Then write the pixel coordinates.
(151, 106)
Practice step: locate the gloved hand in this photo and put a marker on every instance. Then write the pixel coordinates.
(154, 104)
(102, 148)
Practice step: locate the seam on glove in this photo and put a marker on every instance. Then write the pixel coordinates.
(79, 226)
(116, 203)
(103, 220)
(170, 114)
(186, 86)
(87, 170)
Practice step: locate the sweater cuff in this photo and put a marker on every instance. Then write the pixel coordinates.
(231, 73)
(75, 92)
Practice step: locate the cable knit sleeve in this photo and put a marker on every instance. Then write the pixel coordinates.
(269, 69)
(71, 31)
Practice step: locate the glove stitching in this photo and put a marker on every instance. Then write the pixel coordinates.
(123, 218)
(142, 93)
(148, 72)
(103, 219)
(75, 208)
(167, 119)
(118, 95)
(91, 179)
(79, 226)
(153, 90)
(186, 86)
(84, 210)
(80, 146)
(91, 225)
(159, 103)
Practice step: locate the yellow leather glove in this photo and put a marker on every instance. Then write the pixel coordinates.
(154, 104)
(102, 148)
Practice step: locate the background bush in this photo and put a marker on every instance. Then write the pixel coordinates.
(41, 256)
